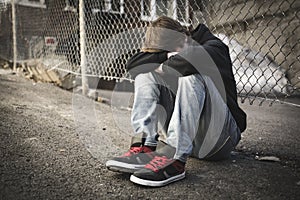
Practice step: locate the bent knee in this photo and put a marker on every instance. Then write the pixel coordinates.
(144, 78)
(194, 79)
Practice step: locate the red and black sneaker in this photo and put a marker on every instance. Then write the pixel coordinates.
(134, 159)
(160, 171)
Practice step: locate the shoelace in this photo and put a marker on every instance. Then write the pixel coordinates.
(157, 163)
(133, 150)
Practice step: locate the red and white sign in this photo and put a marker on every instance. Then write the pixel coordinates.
(50, 41)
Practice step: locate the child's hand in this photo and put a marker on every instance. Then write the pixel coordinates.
(159, 69)
(172, 54)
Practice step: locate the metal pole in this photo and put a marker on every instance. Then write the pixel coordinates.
(84, 79)
(14, 32)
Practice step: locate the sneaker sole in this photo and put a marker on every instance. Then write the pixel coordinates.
(117, 166)
(144, 182)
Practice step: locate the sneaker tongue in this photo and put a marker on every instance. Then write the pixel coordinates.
(137, 144)
(165, 149)
(149, 148)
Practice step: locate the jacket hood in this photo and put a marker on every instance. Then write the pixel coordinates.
(202, 34)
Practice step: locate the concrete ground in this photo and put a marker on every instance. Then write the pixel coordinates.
(54, 143)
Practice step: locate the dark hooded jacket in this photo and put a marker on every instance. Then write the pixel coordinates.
(181, 63)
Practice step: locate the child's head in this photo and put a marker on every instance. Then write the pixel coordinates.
(169, 23)
(164, 34)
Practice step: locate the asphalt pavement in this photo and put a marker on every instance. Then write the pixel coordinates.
(54, 144)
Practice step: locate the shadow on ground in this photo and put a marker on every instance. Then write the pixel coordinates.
(44, 155)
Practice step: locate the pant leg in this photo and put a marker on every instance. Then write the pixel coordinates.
(153, 104)
(228, 140)
(218, 133)
(198, 120)
(183, 126)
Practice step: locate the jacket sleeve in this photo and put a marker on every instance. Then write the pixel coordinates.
(144, 62)
(194, 60)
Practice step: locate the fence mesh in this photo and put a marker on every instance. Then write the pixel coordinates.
(263, 37)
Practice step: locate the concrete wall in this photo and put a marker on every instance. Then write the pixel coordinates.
(271, 27)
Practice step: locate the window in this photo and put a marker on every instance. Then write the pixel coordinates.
(176, 9)
(71, 5)
(32, 3)
(146, 9)
(114, 6)
(182, 11)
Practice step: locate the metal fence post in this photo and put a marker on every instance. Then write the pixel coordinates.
(14, 32)
(82, 48)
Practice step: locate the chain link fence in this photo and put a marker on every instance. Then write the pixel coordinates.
(263, 37)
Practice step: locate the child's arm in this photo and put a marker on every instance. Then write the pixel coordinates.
(144, 62)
